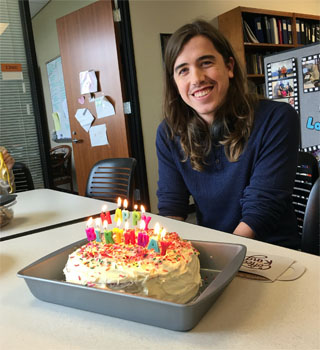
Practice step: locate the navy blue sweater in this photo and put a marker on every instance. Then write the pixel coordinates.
(256, 189)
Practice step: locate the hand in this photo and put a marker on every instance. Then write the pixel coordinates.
(244, 230)
(8, 159)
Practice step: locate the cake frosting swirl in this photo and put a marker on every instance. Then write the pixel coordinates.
(171, 275)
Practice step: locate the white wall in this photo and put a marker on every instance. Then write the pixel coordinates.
(149, 18)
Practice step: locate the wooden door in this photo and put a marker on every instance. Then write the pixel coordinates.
(87, 41)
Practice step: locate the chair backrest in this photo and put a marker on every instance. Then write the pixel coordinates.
(60, 164)
(306, 175)
(22, 177)
(112, 178)
(310, 242)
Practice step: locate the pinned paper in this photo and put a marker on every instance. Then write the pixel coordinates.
(56, 121)
(81, 100)
(88, 82)
(98, 135)
(85, 118)
(104, 107)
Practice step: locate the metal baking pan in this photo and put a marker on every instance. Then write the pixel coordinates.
(219, 262)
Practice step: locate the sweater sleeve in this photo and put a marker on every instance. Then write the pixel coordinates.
(268, 195)
(173, 195)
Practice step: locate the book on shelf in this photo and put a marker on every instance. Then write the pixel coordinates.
(258, 29)
(279, 23)
(248, 33)
(302, 33)
(274, 30)
(267, 28)
(298, 31)
(289, 29)
(284, 31)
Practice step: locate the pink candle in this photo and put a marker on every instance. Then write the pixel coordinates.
(91, 236)
(145, 218)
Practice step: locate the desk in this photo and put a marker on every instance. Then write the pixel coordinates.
(43, 208)
(248, 315)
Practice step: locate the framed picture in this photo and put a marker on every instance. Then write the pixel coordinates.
(310, 73)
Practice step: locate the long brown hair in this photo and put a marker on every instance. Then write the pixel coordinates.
(233, 119)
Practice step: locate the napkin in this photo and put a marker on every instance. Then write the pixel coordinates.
(269, 268)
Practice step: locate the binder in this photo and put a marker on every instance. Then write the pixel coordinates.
(302, 33)
(298, 31)
(279, 23)
(284, 31)
(289, 29)
(267, 28)
(258, 29)
(317, 32)
(313, 33)
(274, 30)
(249, 33)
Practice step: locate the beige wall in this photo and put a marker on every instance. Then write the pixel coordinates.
(149, 18)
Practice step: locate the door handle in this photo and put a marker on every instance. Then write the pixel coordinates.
(76, 140)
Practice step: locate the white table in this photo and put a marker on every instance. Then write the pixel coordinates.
(248, 315)
(43, 208)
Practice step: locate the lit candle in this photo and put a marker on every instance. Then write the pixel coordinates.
(136, 216)
(157, 230)
(91, 236)
(118, 214)
(143, 238)
(145, 218)
(107, 234)
(164, 244)
(153, 244)
(97, 229)
(117, 232)
(125, 212)
(105, 215)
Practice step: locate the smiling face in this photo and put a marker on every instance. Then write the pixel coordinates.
(202, 77)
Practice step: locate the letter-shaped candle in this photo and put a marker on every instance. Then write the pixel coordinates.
(97, 229)
(145, 218)
(125, 212)
(153, 244)
(136, 216)
(91, 236)
(105, 215)
(107, 234)
(118, 214)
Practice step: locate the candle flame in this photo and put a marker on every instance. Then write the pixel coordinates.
(125, 204)
(105, 224)
(142, 209)
(163, 233)
(104, 208)
(98, 222)
(119, 202)
(119, 222)
(142, 224)
(89, 222)
(126, 225)
(157, 228)
(135, 207)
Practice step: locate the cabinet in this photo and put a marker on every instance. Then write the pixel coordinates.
(274, 30)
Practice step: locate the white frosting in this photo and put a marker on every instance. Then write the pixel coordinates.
(173, 277)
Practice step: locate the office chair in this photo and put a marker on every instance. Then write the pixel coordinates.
(112, 178)
(22, 177)
(60, 163)
(306, 175)
(310, 242)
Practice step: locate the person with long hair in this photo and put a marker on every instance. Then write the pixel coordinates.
(234, 152)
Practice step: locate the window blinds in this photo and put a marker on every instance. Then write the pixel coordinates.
(18, 132)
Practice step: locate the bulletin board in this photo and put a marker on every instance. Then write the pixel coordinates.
(300, 72)
(60, 113)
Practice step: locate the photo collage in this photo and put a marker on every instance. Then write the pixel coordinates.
(282, 82)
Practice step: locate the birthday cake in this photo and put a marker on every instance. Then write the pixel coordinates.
(140, 262)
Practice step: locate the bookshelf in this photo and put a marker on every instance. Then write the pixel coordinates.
(251, 44)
